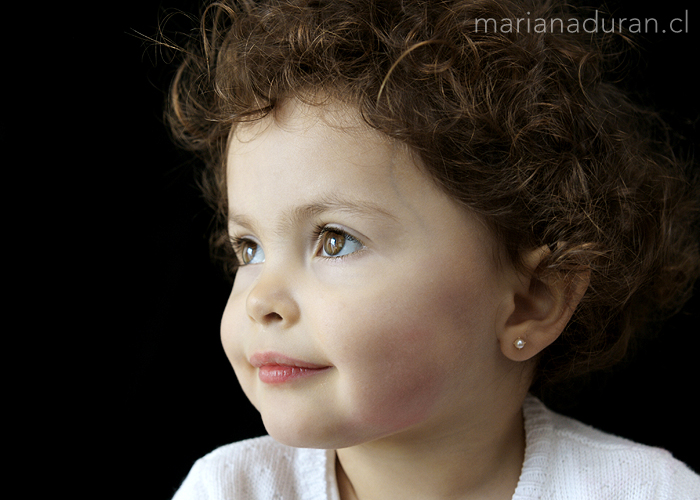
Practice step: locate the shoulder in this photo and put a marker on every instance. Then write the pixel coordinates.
(569, 459)
(260, 468)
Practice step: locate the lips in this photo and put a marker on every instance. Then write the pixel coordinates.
(275, 368)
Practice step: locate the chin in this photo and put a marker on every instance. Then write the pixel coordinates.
(300, 436)
(307, 433)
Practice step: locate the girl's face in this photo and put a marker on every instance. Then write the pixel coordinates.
(370, 302)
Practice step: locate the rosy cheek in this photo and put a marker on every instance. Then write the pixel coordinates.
(401, 352)
(392, 380)
(406, 400)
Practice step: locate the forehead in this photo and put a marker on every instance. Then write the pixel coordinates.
(313, 148)
(332, 121)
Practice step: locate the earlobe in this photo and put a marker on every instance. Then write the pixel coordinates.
(541, 308)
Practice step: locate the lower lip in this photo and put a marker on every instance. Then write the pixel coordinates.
(279, 374)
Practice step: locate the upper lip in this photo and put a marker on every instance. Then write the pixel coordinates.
(273, 358)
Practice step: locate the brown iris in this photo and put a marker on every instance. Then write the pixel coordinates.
(333, 243)
(248, 251)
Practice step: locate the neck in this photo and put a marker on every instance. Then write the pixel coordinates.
(477, 459)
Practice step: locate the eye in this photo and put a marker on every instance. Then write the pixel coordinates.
(248, 252)
(337, 243)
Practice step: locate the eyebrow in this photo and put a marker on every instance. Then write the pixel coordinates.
(301, 213)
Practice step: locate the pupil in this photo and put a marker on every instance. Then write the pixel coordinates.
(333, 243)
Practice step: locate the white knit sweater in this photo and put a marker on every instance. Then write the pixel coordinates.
(564, 460)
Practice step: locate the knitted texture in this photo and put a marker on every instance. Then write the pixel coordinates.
(564, 459)
(261, 468)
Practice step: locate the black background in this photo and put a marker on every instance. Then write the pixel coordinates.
(129, 303)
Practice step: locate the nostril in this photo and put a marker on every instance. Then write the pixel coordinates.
(269, 302)
(273, 317)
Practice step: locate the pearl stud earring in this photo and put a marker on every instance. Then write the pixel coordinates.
(519, 343)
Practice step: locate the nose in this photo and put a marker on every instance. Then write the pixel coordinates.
(270, 301)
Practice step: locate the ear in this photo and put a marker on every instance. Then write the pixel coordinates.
(540, 308)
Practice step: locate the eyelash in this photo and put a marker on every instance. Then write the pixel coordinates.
(319, 231)
(237, 244)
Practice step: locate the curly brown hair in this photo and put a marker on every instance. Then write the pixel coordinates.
(523, 128)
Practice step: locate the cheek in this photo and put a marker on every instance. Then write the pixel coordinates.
(404, 356)
(233, 341)
(233, 336)
(398, 356)
(396, 383)
(229, 334)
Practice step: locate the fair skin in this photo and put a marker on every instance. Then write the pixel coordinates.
(401, 313)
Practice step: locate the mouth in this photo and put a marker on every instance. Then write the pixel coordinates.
(275, 368)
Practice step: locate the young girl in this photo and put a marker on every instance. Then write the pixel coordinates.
(430, 214)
